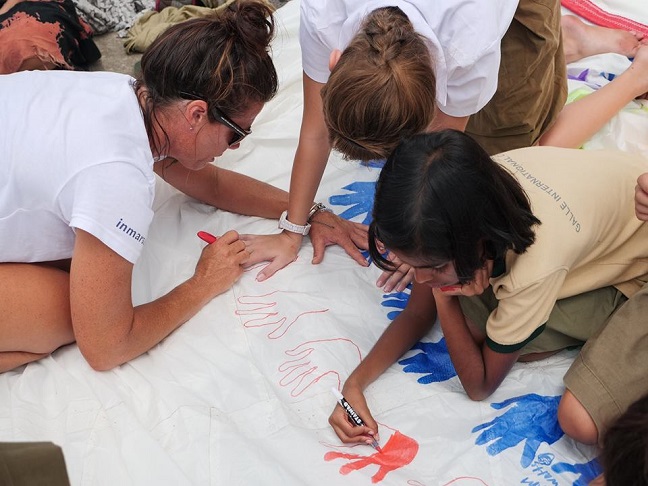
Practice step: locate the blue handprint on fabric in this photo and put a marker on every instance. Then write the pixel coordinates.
(396, 300)
(434, 361)
(360, 199)
(376, 163)
(532, 418)
(586, 471)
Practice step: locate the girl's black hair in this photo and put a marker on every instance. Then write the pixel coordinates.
(625, 447)
(439, 196)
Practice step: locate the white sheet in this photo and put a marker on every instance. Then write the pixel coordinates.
(240, 395)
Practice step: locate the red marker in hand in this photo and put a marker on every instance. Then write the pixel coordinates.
(450, 288)
(207, 237)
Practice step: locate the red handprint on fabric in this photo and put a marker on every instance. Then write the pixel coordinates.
(398, 452)
(266, 311)
(314, 360)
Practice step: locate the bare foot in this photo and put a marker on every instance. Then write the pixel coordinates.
(582, 40)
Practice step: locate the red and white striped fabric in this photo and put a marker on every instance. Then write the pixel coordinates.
(598, 14)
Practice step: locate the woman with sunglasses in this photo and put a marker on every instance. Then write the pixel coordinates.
(79, 155)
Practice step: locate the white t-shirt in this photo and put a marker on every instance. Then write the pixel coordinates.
(463, 37)
(75, 154)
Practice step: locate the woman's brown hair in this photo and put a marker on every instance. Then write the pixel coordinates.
(223, 59)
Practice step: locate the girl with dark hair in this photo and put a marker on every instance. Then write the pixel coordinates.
(519, 256)
(80, 151)
(378, 71)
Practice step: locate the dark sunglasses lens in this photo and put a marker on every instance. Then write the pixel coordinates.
(236, 138)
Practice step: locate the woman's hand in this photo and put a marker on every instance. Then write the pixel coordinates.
(280, 250)
(641, 197)
(348, 432)
(329, 229)
(108, 329)
(399, 278)
(220, 263)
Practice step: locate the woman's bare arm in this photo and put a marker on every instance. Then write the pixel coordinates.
(108, 329)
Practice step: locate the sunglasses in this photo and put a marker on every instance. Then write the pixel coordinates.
(239, 132)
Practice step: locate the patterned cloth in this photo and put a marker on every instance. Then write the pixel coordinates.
(597, 15)
(112, 15)
(162, 4)
(44, 34)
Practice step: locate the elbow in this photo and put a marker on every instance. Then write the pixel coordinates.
(479, 393)
(101, 358)
(101, 363)
(478, 396)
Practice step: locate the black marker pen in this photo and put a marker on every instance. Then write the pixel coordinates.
(353, 415)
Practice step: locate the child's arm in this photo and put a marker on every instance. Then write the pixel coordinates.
(442, 121)
(480, 369)
(580, 120)
(312, 154)
(405, 331)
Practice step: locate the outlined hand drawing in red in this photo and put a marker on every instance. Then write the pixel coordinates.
(398, 451)
(460, 481)
(265, 310)
(312, 361)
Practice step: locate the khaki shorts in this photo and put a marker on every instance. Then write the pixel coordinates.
(32, 463)
(572, 321)
(532, 82)
(611, 371)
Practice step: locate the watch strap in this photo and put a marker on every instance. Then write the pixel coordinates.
(292, 227)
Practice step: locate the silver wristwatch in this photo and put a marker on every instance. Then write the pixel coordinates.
(316, 208)
(292, 227)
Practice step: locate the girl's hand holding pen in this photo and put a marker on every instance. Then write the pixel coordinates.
(345, 428)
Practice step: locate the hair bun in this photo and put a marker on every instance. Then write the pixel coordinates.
(250, 22)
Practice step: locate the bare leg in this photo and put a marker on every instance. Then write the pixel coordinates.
(575, 421)
(14, 359)
(34, 312)
(580, 120)
(583, 40)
